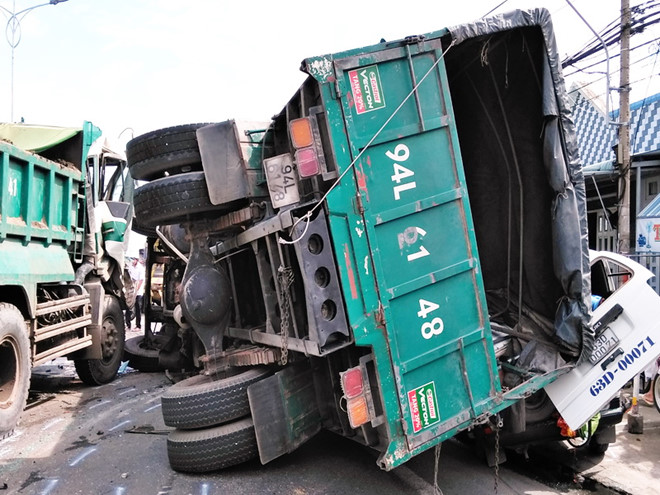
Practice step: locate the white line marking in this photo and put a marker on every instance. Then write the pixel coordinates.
(120, 425)
(49, 487)
(51, 423)
(84, 454)
(152, 408)
(100, 404)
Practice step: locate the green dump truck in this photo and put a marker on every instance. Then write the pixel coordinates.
(63, 220)
(400, 255)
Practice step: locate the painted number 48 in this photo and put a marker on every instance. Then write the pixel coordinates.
(434, 326)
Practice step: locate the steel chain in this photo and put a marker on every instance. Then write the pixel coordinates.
(498, 425)
(285, 279)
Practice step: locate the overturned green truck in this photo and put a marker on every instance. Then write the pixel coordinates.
(398, 256)
(65, 206)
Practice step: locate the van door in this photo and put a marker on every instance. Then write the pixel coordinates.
(626, 323)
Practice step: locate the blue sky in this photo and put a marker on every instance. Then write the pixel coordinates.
(148, 64)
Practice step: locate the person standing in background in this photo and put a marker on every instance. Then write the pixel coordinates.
(136, 270)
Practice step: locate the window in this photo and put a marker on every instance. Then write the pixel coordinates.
(653, 188)
(607, 276)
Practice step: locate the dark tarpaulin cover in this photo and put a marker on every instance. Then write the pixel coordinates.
(564, 176)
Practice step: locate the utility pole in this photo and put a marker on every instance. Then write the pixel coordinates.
(624, 132)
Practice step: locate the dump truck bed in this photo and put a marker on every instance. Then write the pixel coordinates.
(42, 183)
(423, 131)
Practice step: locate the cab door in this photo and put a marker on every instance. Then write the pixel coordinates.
(626, 324)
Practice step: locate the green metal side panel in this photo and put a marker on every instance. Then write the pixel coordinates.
(38, 197)
(412, 254)
(26, 265)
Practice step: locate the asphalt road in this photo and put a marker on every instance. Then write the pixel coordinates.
(111, 439)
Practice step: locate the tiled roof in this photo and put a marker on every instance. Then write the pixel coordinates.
(595, 139)
(652, 210)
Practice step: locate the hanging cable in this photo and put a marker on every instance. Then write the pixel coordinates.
(308, 215)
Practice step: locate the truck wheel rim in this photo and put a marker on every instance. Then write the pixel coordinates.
(109, 336)
(8, 371)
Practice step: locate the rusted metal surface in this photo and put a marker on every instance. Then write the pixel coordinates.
(243, 356)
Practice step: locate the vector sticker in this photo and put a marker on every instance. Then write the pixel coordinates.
(367, 89)
(423, 403)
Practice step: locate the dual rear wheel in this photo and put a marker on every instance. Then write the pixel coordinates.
(211, 415)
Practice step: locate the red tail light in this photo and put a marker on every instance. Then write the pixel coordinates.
(357, 407)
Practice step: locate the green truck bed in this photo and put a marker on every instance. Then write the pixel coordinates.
(41, 219)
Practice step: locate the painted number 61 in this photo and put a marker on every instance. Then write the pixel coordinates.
(433, 327)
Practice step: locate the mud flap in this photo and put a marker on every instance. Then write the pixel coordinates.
(284, 411)
(221, 159)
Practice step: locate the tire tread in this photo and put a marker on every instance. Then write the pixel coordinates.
(169, 150)
(201, 401)
(201, 451)
(171, 200)
(96, 371)
(11, 317)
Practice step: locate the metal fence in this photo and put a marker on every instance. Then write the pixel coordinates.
(652, 262)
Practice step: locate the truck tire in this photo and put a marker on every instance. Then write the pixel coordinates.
(173, 200)
(655, 386)
(538, 407)
(140, 357)
(202, 401)
(201, 451)
(136, 226)
(14, 367)
(168, 151)
(597, 448)
(104, 370)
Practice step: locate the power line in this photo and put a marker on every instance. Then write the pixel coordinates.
(611, 39)
(600, 79)
(494, 8)
(601, 61)
(601, 95)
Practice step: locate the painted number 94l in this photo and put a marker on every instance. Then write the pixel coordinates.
(402, 176)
